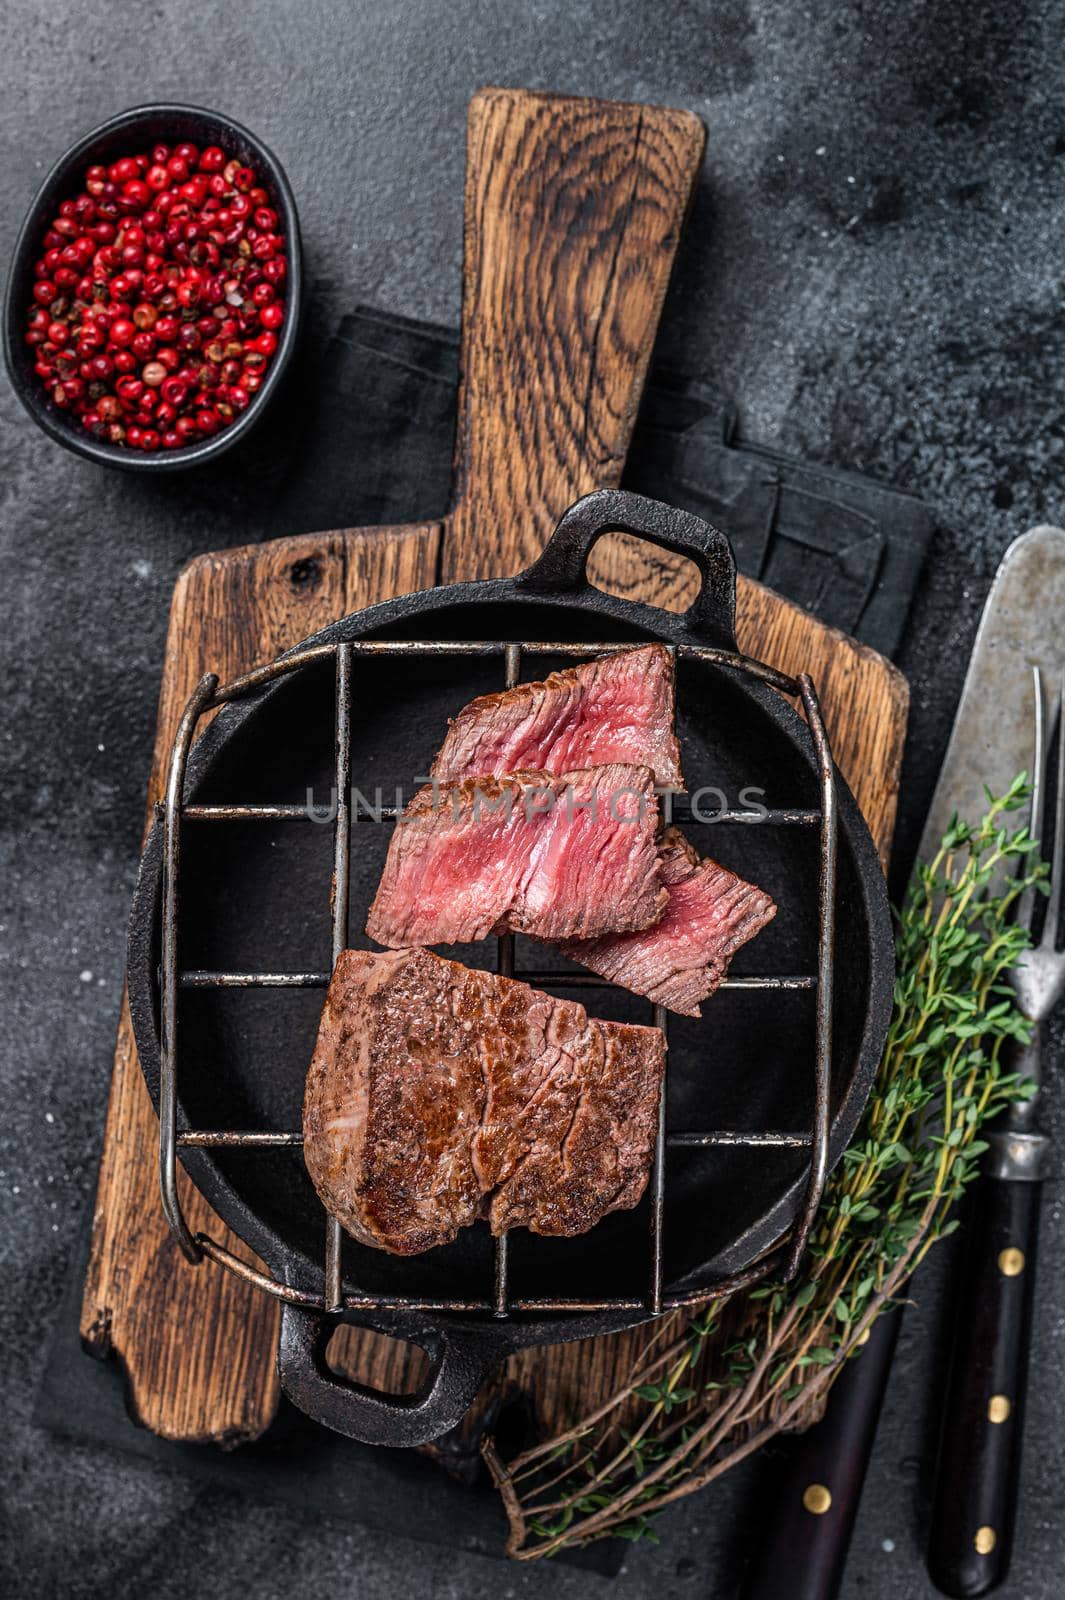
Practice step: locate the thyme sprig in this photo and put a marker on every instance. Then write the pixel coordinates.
(710, 1389)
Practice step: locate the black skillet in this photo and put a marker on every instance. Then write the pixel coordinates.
(255, 897)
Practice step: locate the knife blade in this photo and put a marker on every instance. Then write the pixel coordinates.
(1021, 628)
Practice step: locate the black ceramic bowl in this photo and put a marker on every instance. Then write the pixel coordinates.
(125, 134)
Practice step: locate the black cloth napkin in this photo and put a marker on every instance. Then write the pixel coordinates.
(374, 444)
(365, 436)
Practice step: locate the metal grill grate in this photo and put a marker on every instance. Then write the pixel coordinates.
(500, 1303)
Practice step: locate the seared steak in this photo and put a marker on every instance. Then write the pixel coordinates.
(438, 1095)
(682, 959)
(559, 857)
(617, 708)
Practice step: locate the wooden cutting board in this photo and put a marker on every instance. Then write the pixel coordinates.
(573, 211)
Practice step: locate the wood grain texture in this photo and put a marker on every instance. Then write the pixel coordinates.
(197, 1345)
(573, 215)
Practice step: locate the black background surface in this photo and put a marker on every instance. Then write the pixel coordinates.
(873, 275)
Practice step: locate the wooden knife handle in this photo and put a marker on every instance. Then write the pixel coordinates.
(807, 1525)
(574, 210)
(983, 1419)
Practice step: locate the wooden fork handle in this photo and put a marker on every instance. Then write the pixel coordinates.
(983, 1419)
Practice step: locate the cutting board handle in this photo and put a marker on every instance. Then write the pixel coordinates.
(574, 210)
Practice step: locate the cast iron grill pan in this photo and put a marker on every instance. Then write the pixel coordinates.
(254, 899)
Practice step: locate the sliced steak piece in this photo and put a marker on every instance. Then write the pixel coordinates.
(682, 959)
(558, 857)
(438, 1095)
(617, 708)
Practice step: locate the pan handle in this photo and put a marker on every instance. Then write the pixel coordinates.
(563, 567)
(372, 1416)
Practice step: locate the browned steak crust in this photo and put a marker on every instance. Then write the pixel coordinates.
(438, 1094)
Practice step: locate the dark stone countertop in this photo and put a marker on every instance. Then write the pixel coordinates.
(873, 274)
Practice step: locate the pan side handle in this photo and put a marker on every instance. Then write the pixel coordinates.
(563, 567)
(457, 1370)
(573, 214)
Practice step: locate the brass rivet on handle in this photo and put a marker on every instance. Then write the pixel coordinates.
(1011, 1262)
(817, 1498)
(998, 1408)
(985, 1541)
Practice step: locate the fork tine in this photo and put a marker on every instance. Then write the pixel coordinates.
(1026, 905)
(1050, 927)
